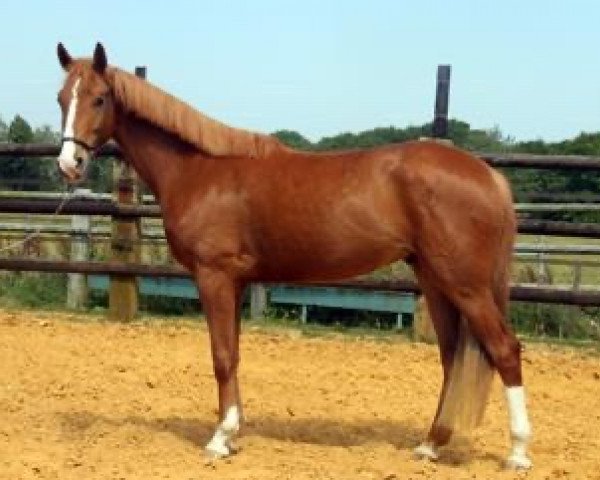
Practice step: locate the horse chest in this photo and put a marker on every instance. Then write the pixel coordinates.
(212, 238)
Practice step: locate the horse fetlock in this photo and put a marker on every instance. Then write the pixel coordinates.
(231, 423)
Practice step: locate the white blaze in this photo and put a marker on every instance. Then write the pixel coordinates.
(66, 159)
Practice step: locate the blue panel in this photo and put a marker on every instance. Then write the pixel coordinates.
(168, 287)
(345, 298)
(356, 299)
(98, 282)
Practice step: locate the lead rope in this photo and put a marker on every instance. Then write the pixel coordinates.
(67, 195)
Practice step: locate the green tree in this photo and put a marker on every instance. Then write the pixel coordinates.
(20, 131)
(3, 131)
(293, 139)
(19, 172)
(45, 134)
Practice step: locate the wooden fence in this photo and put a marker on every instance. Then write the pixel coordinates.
(123, 270)
(126, 211)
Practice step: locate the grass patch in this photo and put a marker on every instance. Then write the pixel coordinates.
(33, 290)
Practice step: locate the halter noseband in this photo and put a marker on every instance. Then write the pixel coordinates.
(79, 142)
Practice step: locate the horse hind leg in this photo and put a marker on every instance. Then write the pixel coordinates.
(484, 310)
(466, 368)
(445, 318)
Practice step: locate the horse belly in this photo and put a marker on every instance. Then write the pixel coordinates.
(329, 255)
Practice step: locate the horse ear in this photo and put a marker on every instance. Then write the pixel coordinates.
(99, 62)
(63, 56)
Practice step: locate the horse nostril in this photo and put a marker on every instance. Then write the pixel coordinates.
(79, 161)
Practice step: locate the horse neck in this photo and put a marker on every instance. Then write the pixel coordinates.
(156, 155)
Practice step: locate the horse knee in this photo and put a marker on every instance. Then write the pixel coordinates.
(225, 364)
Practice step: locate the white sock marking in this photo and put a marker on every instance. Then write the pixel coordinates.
(520, 428)
(66, 159)
(220, 442)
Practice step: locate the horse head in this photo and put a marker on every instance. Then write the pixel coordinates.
(88, 111)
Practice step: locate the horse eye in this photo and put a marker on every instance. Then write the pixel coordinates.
(98, 101)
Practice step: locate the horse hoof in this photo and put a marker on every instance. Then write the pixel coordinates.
(425, 451)
(518, 462)
(216, 452)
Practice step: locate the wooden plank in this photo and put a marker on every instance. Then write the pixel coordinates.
(84, 207)
(552, 197)
(557, 207)
(48, 150)
(77, 206)
(584, 297)
(552, 162)
(522, 160)
(564, 229)
(524, 248)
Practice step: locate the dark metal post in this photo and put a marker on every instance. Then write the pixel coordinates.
(440, 119)
(140, 72)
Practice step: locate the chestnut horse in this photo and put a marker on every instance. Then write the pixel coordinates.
(240, 207)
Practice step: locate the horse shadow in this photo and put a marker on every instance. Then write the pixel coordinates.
(316, 431)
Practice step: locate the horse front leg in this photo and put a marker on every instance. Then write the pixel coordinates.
(221, 295)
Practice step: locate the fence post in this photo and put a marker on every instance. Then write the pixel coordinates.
(77, 288)
(125, 234)
(258, 301)
(123, 291)
(576, 275)
(442, 93)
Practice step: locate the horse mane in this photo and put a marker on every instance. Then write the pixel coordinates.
(163, 110)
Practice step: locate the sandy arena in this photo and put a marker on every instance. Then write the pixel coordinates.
(85, 399)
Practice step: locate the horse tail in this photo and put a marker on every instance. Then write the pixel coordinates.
(468, 384)
(472, 372)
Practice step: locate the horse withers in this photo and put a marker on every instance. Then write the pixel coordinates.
(240, 207)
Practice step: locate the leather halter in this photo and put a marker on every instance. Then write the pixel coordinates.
(79, 142)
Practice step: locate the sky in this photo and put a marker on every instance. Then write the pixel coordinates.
(319, 67)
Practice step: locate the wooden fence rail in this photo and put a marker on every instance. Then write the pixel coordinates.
(78, 206)
(499, 160)
(518, 292)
